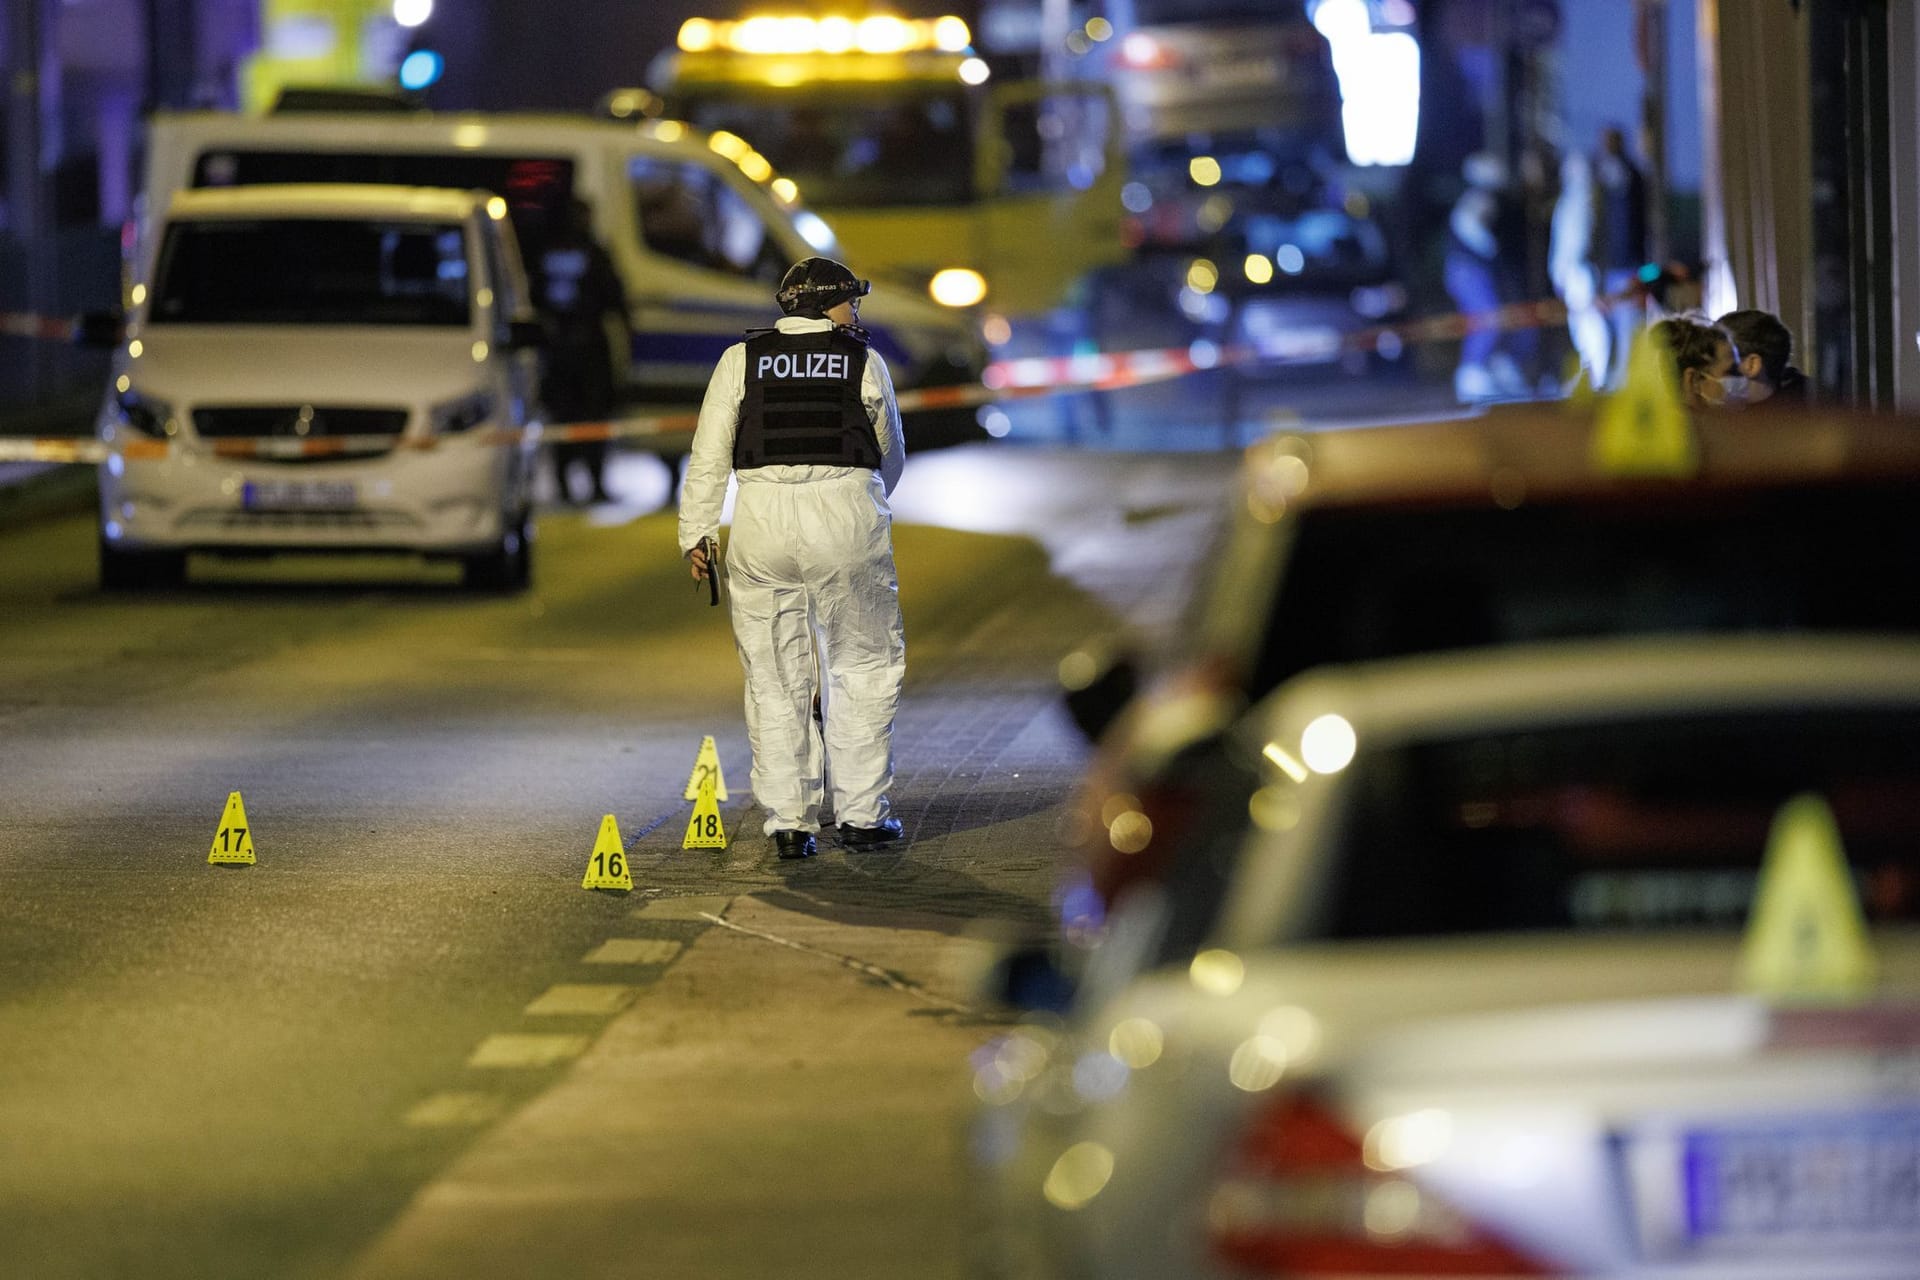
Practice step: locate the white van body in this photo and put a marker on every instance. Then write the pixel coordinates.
(698, 227)
(383, 404)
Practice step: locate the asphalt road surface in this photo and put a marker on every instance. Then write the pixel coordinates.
(406, 1042)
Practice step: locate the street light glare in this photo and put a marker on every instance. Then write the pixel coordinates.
(411, 13)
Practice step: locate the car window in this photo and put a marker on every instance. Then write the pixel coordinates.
(854, 148)
(1056, 142)
(1156, 12)
(1316, 241)
(688, 212)
(1642, 825)
(1361, 584)
(312, 271)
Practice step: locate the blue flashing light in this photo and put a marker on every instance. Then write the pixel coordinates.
(421, 68)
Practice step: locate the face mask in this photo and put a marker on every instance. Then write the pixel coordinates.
(1729, 392)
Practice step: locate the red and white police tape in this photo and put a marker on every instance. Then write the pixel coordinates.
(1002, 380)
(20, 324)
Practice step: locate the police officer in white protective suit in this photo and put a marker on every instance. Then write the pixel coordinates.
(804, 415)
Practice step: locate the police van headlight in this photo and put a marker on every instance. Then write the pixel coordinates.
(144, 414)
(465, 413)
(957, 287)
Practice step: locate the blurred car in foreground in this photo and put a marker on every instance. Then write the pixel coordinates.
(1503, 988)
(1377, 543)
(324, 368)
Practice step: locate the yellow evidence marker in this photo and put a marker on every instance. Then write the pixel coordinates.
(706, 765)
(1806, 939)
(233, 842)
(607, 868)
(704, 829)
(1644, 430)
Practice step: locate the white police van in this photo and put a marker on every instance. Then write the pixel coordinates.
(698, 226)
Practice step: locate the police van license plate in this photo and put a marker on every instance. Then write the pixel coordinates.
(299, 495)
(1812, 1181)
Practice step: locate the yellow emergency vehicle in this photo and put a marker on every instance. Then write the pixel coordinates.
(1000, 195)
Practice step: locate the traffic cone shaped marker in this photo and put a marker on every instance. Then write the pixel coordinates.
(233, 842)
(607, 868)
(704, 828)
(706, 766)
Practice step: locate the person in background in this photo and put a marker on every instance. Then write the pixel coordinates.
(1703, 359)
(579, 292)
(1621, 248)
(1576, 276)
(1480, 278)
(1766, 357)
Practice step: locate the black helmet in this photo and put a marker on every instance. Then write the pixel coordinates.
(815, 286)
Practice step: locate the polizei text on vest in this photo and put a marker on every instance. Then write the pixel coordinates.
(803, 364)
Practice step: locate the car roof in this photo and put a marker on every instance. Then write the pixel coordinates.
(472, 129)
(520, 133)
(1574, 682)
(326, 200)
(1544, 453)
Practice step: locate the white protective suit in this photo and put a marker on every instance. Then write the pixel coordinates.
(809, 570)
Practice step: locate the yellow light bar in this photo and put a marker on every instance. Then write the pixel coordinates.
(785, 33)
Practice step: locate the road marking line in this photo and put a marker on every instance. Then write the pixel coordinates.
(633, 951)
(456, 1111)
(505, 1050)
(581, 998)
(682, 908)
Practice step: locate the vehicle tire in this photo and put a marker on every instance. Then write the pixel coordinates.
(140, 570)
(507, 568)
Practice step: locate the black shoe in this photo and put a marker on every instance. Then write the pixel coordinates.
(793, 844)
(870, 837)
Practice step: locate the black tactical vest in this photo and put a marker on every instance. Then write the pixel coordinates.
(803, 403)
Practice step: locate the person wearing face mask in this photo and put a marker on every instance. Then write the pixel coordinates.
(1766, 354)
(1704, 358)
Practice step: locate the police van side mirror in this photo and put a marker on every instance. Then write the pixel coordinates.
(526, 335)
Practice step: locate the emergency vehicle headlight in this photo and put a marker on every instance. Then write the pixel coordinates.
(957, 287)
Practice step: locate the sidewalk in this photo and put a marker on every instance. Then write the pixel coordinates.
(735, 1123)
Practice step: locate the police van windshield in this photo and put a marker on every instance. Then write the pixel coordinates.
(856, 148)
(536, 188)
(311, 271)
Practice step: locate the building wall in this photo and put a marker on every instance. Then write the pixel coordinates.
(1903, 65)
(1755, 113)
